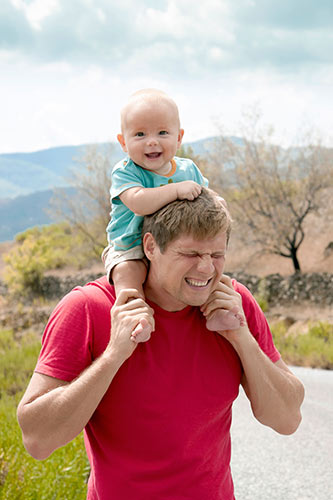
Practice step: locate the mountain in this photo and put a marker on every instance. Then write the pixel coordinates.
(22, 212)
(27, 181)
(26, 173)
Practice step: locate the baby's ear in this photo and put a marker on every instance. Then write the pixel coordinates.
(180, 136)
(121, 141)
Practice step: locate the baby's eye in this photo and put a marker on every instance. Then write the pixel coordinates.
(163, 132)
(139, 134)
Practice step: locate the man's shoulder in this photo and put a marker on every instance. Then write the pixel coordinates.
(97, 292)
(247, 296)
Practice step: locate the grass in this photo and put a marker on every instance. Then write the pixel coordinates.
(313, 348)
(63, 476)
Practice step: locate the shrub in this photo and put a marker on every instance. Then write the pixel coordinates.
(39, 249)
(314, 348)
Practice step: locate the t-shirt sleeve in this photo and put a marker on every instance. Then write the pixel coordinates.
(257, 322)
(125, 175)
(199, 177)
(67, 339)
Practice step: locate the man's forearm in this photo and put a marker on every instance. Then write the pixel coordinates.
(51, 419)
(275, 393)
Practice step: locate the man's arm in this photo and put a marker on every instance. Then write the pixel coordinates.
(274, 392)
(52, 412)
(144, 201)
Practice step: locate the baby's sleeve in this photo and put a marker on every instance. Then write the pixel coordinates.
(125, 175)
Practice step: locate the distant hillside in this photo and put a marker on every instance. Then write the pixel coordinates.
(27, 181)
(26, 173)
(22, 212)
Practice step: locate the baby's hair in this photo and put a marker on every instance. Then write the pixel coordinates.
(148, 95)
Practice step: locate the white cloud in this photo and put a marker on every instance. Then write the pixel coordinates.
(37, 10)
(68, 65)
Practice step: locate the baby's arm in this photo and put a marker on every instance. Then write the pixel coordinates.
(143, 201)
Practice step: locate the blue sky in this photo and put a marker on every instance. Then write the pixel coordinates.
(67, 66)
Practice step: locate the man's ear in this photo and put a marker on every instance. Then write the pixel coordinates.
(149, 245)
(121, 141)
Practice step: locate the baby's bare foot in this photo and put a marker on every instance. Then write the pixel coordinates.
(225, 320)
(142, 332)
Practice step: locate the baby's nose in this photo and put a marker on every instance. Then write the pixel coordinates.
(151, 140)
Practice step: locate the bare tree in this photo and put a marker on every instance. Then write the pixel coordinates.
(271, 190)
(87, 205)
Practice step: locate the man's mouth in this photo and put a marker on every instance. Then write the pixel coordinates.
(153, 155)
(197, 283)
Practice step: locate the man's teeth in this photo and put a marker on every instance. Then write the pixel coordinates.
(196, 282)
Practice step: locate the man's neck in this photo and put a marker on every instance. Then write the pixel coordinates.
(164, 300)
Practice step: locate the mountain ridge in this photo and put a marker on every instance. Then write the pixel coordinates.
(27, 181)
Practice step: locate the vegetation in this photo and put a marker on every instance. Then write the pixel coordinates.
(313, 349)
(87, 207)
(271, 191)
(40, 249)
(64, 474)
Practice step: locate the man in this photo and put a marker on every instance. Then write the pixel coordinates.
(157, 415)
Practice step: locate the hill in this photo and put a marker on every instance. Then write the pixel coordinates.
(22, 212)
(27, 181)
(26, 173)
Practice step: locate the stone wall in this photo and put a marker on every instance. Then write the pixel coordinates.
(316, 288)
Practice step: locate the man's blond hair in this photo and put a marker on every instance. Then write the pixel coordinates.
(201, 218)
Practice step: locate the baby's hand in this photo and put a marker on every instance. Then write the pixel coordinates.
(187, 190)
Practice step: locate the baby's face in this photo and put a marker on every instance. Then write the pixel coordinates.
(151, 134)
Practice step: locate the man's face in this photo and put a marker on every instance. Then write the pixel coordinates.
(187, 272)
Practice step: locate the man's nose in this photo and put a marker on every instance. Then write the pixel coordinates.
(205, 264)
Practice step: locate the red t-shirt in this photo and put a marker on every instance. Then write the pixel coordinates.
(161, 432)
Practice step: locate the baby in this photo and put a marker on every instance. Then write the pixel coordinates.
(148, 179)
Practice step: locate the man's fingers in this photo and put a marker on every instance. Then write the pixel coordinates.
(126, 295)
(226, 280)
(226, 304)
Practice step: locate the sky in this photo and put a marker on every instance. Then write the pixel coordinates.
(68, 66)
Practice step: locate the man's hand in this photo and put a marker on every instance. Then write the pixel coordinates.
(226, 300)
(187, 190)
(128, 311)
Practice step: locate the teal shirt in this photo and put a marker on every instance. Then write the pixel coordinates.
(124, 228)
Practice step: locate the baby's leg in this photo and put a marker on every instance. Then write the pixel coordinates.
(132, 274)
(222, 319)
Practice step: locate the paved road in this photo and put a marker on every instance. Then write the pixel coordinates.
(268, 466)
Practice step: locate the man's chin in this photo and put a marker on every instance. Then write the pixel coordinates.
(197, 302)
